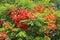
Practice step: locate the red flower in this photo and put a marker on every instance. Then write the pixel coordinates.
(18, 17)
(20, 11)
(4, 35)
(53, 26)
(50, 17)
(25, 26)
(22, 25)
(46, 32)
(14, 17)
(12, 14)
(37, 9)
(1, 22)
(19, 24)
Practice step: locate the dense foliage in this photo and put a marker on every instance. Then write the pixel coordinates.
(29, 20)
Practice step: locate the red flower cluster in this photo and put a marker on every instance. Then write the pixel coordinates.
(39, 8)
(21, 14)
(3, 35)
(52, 25)
(18, 14)
(50, 17)
(51, 8)
(42, 8)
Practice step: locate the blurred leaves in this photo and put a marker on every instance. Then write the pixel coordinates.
(36, 27)
(22, 34)
(40, 38)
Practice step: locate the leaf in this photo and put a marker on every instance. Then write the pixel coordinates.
(2, 29)
(57, 13)
(22, 34)
(47, 1)
(46, 38)
(37, 38)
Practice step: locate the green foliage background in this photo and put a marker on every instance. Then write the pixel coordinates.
(35, 26)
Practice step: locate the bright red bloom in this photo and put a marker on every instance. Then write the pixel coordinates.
(14, 17)
(21, 14)
(25, 14)
(52, 25)
(51, 17)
